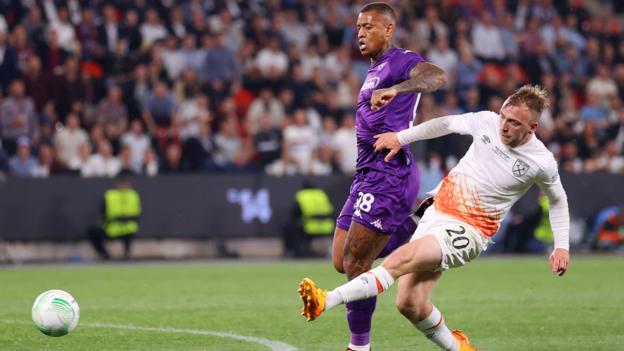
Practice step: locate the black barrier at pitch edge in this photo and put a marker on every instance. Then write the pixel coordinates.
(208, 206)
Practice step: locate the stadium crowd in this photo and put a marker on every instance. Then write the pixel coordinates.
(150, 87)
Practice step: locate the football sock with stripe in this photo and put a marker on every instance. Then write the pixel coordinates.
(436, 330)
(364, 286)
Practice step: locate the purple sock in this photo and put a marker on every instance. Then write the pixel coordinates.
(359, 316)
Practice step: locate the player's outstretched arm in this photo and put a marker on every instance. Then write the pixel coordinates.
(559, 217)
(434, 128)
(423, 78)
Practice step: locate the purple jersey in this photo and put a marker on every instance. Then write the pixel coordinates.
(391, 69)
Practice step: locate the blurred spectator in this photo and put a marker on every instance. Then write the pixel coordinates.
(37, 84)
(538, 63)
(103, 163)
(172, 161)
(300, 140)
(345, 145)
(149, 166)
(137, 143)
(602, 85)
(508, 36)
(593, 111)
(176, 24)
(486, 39)
(220, 63)
(24, 49)
(286, 165)
(326, 134)
(430, 28)
(63, 28)
(112, 113)
(431, 174)
(68, 140)
(159, 110)
(271, 61)
(191, 115)
(76, 162)
(87, 33)
(75, 87)
(34, 24)
(231, 28)
(45, 162)
(347, 91)
(136, 90)
(172, 58)
(232, 153)
(192, 58)
(125, 159)
(322, 161)
(264, 105)
(129, 31)
(17, 117)
(23, 164)
(444, 57)
(267, 141)
(8, 62)
(152, 29)
(188, 84)
(468, 70)
(53, 55)
(571, 34)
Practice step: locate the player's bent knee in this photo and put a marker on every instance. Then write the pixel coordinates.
(338, 265)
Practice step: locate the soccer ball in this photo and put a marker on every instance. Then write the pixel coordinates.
(55, 313)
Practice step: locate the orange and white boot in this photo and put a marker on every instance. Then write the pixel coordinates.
(462, 339)
(313, 299)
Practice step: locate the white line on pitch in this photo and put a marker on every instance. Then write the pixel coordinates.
(274, 345)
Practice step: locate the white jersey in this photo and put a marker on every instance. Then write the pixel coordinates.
(492, 176)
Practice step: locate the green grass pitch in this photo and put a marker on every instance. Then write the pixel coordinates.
(502, 304)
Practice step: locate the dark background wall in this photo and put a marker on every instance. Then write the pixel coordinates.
(204, 206)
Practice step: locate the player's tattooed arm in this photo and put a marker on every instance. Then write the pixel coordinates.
(424, 78)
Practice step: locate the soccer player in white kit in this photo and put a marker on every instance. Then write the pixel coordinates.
(504, 160)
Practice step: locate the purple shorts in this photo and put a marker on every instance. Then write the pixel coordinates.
(380, 201)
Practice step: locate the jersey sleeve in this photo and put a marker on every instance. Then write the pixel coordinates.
(472, 122)
(406, 60)
(467, 124)
(549, 182)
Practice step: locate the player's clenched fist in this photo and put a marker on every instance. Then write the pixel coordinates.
(381, 97)
(387, 141)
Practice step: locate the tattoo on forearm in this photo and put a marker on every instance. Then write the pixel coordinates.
(424, 80)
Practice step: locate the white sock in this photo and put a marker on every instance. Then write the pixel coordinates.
(359, 347)
(365, 285)
(436, 330)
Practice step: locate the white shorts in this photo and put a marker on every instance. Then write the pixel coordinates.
(460, 242)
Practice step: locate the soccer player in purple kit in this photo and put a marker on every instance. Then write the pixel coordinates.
(375, 218)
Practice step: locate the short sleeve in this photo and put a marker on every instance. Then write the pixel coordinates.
(406, 60)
